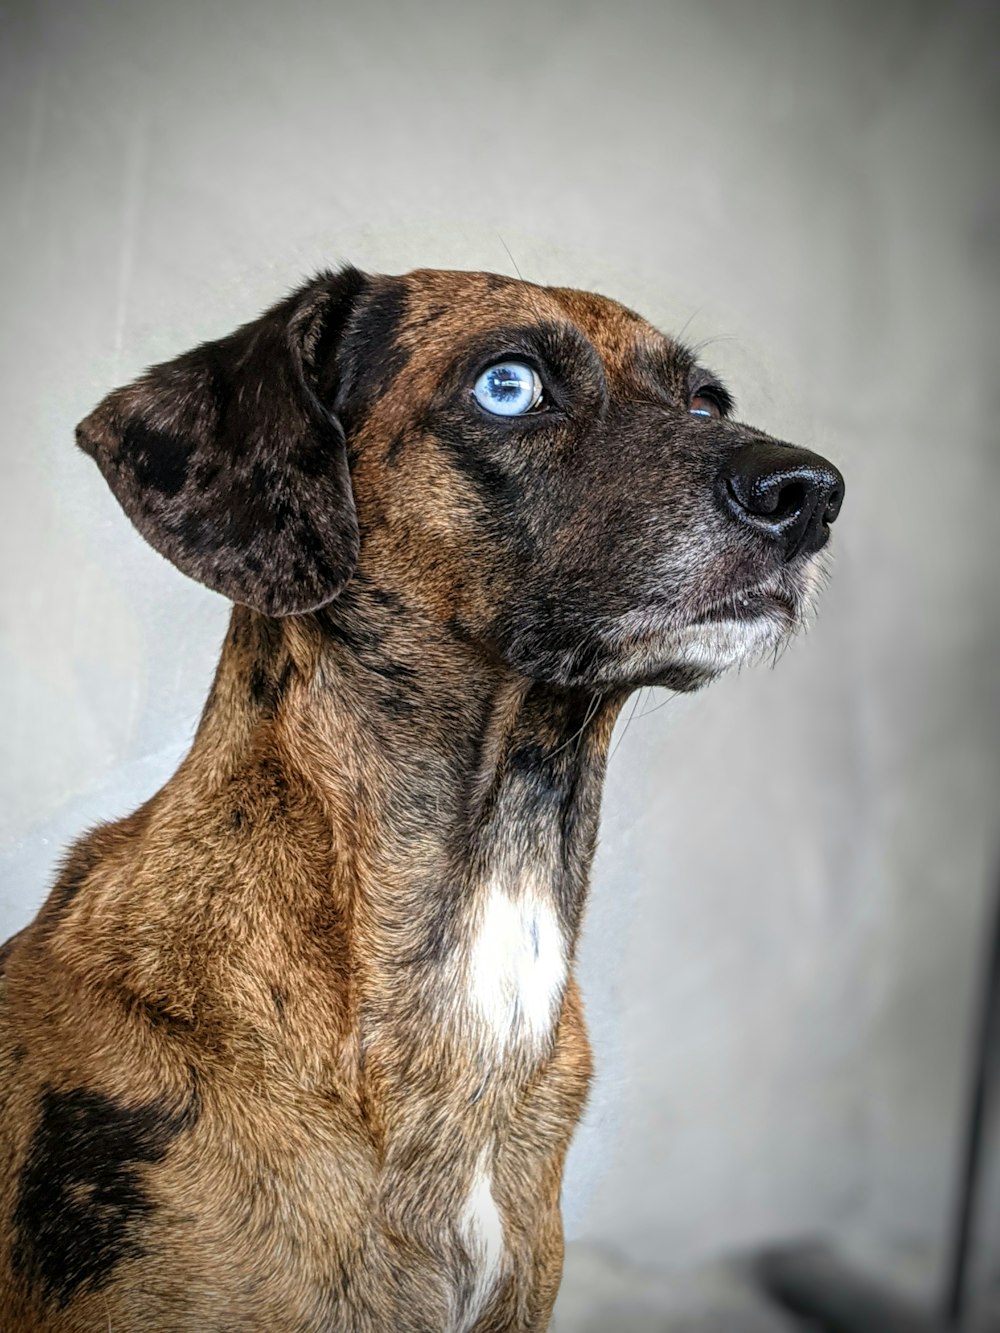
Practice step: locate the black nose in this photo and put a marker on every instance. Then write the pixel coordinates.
(788, 495)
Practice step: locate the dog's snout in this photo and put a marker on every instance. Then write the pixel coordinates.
(789, 495)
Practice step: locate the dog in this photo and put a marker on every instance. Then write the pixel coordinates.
(297, 1046)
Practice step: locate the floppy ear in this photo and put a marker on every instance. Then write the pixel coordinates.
(228, 463)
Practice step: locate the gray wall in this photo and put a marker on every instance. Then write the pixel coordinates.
(790, 894)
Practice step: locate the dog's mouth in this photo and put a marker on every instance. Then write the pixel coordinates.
(750, 604)
(686, 648)
(722, 620)
(744, 624)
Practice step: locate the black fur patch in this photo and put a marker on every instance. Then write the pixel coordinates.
(396, 706)
(396, 446)
(267, 691)
(494, 481)
(159, 461)
(260, 683)
(372, 356)
(81, 1202)
(439, 934)
(383, 597)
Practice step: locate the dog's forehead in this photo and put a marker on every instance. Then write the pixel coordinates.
(445, 308)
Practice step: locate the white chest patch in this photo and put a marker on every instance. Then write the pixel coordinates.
(517, 967)
(481, 1231)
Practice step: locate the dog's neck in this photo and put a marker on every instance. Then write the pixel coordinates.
(438, 768)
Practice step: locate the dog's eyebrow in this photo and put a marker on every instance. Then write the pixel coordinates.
(559, 349)
(665, 361)
(675, 368)
(549, 339)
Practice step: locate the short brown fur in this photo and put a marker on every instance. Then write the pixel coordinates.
(243, 1008)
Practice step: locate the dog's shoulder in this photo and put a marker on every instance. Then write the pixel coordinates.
(87, 1103)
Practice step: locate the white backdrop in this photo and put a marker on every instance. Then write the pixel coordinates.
(789, 898)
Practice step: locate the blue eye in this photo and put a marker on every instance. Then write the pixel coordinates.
(508, 389)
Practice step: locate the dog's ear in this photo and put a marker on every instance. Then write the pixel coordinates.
(230, 465)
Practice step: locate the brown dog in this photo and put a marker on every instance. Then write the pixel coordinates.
(296, 1047)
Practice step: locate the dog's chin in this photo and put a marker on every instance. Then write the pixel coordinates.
(702, 651)
(682, 646)
(740, 630)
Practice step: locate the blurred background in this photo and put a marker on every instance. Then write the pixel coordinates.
(791, 898)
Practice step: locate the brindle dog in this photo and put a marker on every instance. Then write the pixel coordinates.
(297, 1045)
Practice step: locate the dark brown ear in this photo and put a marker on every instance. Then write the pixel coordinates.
(230, 466)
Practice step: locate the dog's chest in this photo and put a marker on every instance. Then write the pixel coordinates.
(481, 1234)
(505, 980)
(498, 996)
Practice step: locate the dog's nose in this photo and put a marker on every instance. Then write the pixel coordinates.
(788, 495)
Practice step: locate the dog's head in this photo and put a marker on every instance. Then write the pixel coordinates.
(536, 468)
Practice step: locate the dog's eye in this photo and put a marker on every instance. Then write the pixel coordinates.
(702, 406)
(508, 389)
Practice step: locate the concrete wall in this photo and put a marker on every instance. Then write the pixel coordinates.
(791, 890)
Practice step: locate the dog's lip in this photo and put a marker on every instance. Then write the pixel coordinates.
(749, 604)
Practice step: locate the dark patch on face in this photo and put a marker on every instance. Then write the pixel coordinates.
(505, 457)
(18, 1053)
(81, 1202)
(546, 637)
(396, 446)
(278, 999)
(371, 356)
(158, 459)
(236, 819)
(490, 477)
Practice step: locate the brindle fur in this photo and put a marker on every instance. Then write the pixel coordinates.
(242, 1087)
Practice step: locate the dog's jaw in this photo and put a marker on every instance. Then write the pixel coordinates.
(709, 633)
